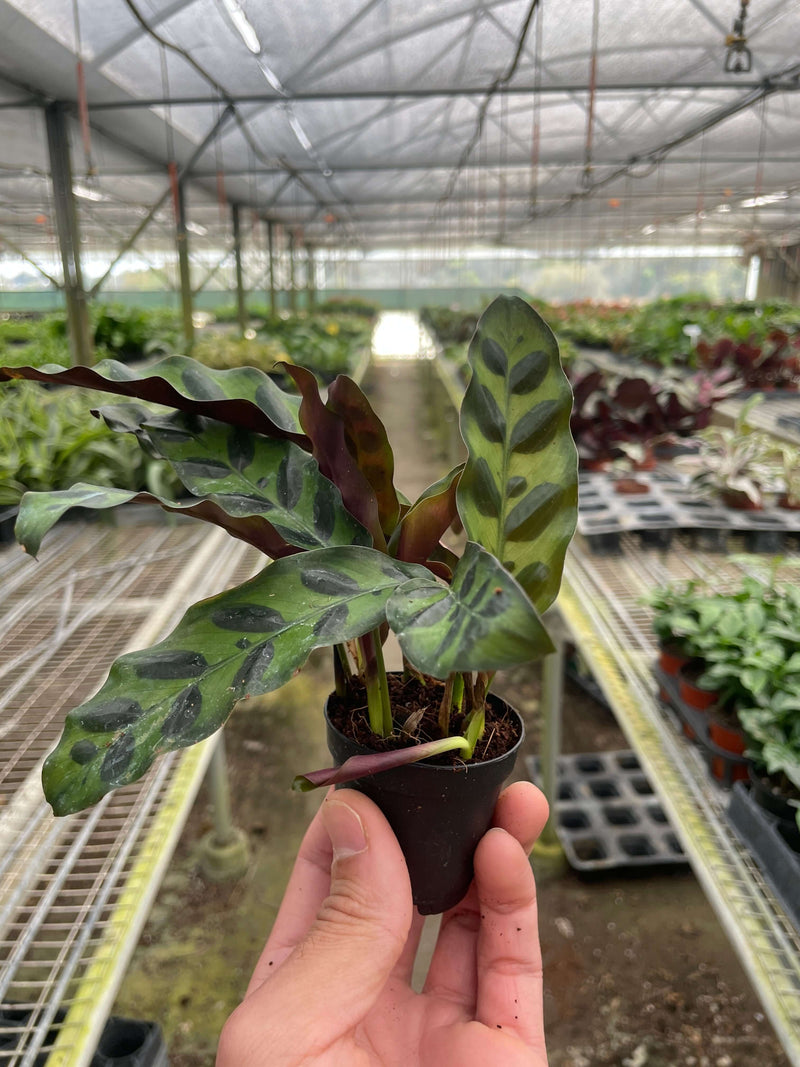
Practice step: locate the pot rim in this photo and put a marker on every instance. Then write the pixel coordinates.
(457, 768)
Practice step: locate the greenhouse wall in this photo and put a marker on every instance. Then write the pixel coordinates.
(391, 299)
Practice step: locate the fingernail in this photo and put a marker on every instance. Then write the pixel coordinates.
(345, 829)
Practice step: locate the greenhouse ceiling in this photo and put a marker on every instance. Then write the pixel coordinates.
(389, 123)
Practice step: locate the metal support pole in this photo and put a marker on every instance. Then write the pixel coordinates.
(292, 290)
(182, 242)
(80, 337)
(311, 279)
(273, 305)
(223, 851)
(551, 701)
(241, 303)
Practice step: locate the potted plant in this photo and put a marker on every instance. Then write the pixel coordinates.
(790, 463)
(738, 464)
(309, 482)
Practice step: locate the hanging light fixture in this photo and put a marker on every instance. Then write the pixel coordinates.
(738, 58)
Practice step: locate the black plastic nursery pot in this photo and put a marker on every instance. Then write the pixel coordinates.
(438, 812)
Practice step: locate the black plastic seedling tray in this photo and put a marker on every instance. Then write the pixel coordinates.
(608, 815)
(667, 507)
(759, 831)
(123, 1043)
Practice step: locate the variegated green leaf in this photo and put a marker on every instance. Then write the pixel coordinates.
(39, 512)
(483, 622)
(241, 643)
(247, 474)
(242, 396)
(518, 495)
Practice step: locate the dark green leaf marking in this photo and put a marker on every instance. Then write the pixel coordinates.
(110, 714)
(199, 385)
(83, 751)
(331, 621)
(117, 759)
(537, 429)
(184, 713)
(254, 667)
(289, 483)
(248, 618)
(529, 373)
(534, 512)
(489, 417)
(241, 449)
(487, 499)
(327, 582)
(494, 356)
(170, 664)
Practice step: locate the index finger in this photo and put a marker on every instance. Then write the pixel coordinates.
(509, 959)
(308, 885)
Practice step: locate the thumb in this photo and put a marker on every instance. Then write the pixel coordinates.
(360, 929)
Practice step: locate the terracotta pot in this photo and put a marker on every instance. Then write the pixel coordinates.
(786, 504)
(731, 739)
(649, 462)
(690, 692)
(670, 660)
(439, 813)
(739, 501)
(593, 464)
(630, 487)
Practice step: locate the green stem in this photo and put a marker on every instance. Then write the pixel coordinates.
(476, 720)
(457, 701)
(476, 724)
(378, 706)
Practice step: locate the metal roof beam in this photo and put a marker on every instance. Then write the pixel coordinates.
(392, 168)
(443, 92)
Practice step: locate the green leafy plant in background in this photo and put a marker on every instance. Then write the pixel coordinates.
(46, 442)
(309, 482)
(224, 351)
(749, 641)
(124, 333)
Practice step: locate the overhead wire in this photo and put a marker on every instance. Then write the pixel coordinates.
(657, 155)
(498, 83)
(231, 102)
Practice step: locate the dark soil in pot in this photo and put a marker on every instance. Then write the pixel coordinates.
(439, 809)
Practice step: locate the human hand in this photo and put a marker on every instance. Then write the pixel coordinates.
(333, 985)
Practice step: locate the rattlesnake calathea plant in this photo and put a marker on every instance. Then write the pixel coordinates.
(308, 481)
